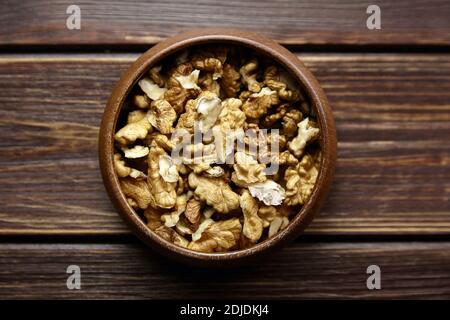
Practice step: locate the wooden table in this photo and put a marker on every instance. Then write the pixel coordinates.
(390, 94)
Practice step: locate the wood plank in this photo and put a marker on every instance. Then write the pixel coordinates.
(302, 270)
(316, 22)
(393, 120)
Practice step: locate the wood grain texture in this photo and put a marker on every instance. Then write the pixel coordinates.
(302, 270)
(392, 114)
(115, 22)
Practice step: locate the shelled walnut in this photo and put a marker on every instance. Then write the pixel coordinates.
(217, 149)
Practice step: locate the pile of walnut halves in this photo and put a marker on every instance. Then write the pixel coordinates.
(253, 168)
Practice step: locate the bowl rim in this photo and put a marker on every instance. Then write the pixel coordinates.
(262, 45)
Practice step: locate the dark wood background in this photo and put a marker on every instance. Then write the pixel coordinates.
(390, 94)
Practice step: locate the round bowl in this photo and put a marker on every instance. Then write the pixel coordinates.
(264, 47)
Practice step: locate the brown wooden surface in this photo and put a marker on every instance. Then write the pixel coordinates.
(303, 270)
(393, 120)
(390, 203)
(288, 21)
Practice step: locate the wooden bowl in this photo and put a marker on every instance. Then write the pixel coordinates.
(264, 47)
